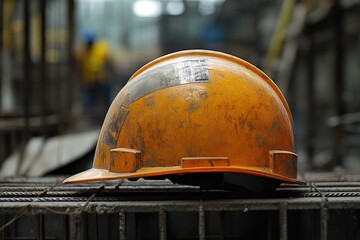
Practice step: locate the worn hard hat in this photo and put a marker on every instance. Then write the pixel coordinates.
(197, 113)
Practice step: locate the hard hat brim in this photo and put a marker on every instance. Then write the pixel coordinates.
(95, 174)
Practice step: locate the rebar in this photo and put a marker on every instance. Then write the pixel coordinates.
(122, 225)
(283, 221)
(162, 224)
(201, 221)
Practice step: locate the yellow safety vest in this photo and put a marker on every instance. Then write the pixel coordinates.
(93, 63)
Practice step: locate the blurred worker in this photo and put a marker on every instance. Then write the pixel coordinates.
(93, 58)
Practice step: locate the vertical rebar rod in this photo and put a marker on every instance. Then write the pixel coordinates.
(66, 232)
(122, 225)
(222, 224)
(72, 227)
(324, 217)
(40, 227)
(76, 222)
(283, 221)
(162, 224)
(2, 222)
(96, 228)
(201, 221)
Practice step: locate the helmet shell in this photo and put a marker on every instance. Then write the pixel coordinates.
(196, 111)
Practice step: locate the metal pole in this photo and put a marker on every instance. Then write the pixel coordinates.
(324, 216)
(201, 221)
(70, 46)
(2, 148)
(122, 225)
(27, 81)
(339, 82)
(1, 44)
(310, 124)
(27, 78)
(41, 227)
(162, 224)
(43, 67)
(58, 77)
(283, 221)
(2, 222)
(66, 233)
(76, 227)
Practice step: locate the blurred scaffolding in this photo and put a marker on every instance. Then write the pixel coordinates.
(311, 50)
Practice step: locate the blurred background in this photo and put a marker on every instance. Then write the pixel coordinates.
(52, 104)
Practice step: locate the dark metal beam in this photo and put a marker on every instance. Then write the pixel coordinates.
(310, 118)
(1, 44)
(70, 52)
(27, 80)
(339, 106)
(27, 75)
(43, 67)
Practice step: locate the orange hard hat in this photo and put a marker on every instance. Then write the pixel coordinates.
(196, 112)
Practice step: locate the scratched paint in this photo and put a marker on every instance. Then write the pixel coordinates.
(183, 72)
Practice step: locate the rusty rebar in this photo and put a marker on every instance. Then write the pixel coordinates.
(122, 225)
(283, 221)
(201, 221)
(162, 224)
